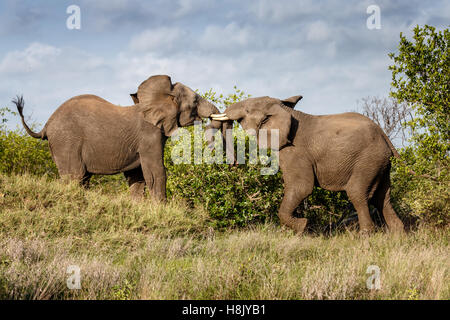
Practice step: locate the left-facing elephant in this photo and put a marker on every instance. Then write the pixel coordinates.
(88, 135)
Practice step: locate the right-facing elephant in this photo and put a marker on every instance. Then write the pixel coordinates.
(345, 151)
(88, 135)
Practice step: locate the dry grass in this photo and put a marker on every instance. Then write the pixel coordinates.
(128, 250)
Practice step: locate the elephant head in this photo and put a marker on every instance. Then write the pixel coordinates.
(169, 106)
(259, 113)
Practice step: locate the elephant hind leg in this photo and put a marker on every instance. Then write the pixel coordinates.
(361, 204)
(136, 182)
(69, 163)
(358, 190)
(381, 200)
(85, 180)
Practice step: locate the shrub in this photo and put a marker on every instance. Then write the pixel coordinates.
(20, 153)
(420, 78)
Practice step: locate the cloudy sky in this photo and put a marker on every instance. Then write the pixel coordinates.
(321, 49)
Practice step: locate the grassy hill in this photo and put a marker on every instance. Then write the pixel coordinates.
(146, 250)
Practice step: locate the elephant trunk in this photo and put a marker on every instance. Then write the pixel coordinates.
(205, 109)
(233, 112)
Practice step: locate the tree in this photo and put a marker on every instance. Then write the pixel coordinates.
(421, 78)
(389, 114)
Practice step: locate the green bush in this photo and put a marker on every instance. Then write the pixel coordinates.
(421, 78)
(234, 195)
(20, 153)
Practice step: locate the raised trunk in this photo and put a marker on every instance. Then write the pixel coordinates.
(205, 109)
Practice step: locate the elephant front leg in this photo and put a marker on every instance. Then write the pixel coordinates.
(291, 200)
(136, 182)
(155, 178)
(298, 179)
(151, 154)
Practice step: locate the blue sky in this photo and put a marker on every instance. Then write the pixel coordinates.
(319, 49)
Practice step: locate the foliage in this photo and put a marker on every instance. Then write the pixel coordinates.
(222, 101)
(421, 78)
(19, 153)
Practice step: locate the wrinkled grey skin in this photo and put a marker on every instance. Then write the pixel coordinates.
(345, 151)
(88, 135)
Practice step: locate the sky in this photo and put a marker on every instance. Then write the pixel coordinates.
(322, 49)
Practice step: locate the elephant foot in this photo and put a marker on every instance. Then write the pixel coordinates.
(300, 225)
(137, 191)
(397, 227)
(366, 231)
(297, 224)
(366, 226)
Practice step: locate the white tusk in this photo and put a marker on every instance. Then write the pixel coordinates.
(220, 116)
(224, 118)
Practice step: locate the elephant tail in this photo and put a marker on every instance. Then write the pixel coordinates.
(397, 155)
(20, 103)
(388, 141)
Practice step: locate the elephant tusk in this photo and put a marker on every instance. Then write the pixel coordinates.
(220, 117)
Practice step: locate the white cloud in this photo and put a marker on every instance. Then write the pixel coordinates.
(47, 76)
(318, 31)
(162, 39)
(320, 50)
(281, 11)
(326, 88)
(111, 5)
(186, 7)
(231, 37)
(36, 56)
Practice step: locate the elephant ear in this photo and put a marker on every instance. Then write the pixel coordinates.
(281, 120)
(157, 103)
(134, 97)
(292, 101)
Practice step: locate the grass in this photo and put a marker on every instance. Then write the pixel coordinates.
(145, 250)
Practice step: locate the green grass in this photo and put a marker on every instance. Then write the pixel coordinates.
(147, 250)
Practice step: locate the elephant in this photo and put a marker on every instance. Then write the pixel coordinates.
(88, 135)
(346, 151)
